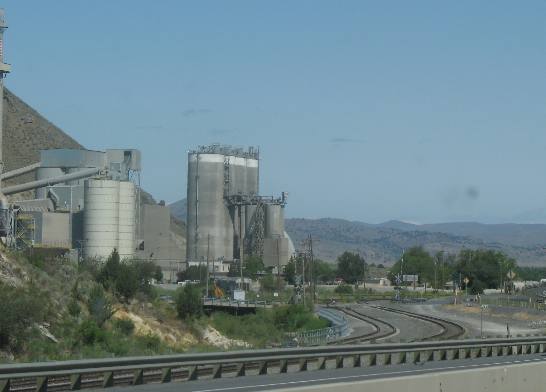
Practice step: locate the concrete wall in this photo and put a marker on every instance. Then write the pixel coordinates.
(529, 377)
(160, 245)
(52, 229)
(271, 256)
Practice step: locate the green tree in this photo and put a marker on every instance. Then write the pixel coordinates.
(415, 261)
(252, 265)
(324, 271)
(110, 271)
(188, 301)
(485, 269)
(158, 274)
(268, 282)
(100, 306)
(194, 273)
(351, 267)
(290, 271)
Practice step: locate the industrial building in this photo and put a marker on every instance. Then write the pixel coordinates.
(87, 200)
(227, 219)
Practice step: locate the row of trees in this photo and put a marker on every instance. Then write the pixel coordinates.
(482, 269)
(351, 267)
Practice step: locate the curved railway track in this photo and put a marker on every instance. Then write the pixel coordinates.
(450, 329)
(382, 329)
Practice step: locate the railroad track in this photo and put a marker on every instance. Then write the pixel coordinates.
(450, 329)
(382, 329)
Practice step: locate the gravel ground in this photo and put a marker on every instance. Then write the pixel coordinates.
(495, 319)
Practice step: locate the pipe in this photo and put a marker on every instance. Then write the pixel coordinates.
(10, 190)
(21, 170)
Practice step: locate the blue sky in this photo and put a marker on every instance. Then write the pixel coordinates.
(424, 111)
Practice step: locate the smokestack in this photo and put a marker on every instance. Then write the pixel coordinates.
(4, 69)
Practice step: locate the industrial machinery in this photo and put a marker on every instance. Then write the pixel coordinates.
(226, 217)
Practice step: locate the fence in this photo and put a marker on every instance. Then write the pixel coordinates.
(339, 328)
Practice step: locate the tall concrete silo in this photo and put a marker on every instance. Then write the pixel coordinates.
(217, 175)
(210, 229)
(101, 218)
(127, 219)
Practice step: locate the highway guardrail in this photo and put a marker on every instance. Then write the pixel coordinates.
(97, 373)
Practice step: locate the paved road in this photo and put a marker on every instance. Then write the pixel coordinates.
(329, 376)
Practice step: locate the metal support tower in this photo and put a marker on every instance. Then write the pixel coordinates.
(4, 70)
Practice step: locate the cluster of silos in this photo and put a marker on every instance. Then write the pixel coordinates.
(214, 174)
(109, 218)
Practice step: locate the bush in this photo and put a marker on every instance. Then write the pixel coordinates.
(344, 289)
(99, 305)
(149, 342)
(20, 310)
(89, 332)
(74, 308)
(188, 301)
(127, 278)
(125, 326)
(292, 318)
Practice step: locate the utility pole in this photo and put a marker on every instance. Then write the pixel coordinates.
(278, 268)
(303, 276)
(313, 269)
(436, 274)
(208, 254)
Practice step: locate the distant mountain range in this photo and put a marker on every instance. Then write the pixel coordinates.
(384, 242)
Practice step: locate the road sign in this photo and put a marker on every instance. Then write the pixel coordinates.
(410, 278)
(398, 279)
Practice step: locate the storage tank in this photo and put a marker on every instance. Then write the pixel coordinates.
(237, 184)
(252, 188)
(101, 218)
(207, 212)
(252, 176)
(274, 221)
(127, 219)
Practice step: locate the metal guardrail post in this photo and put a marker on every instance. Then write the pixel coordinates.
(217, 371)
(41, 384)
(166, 375)
(5, 386)
(108, 380)
(75, 382)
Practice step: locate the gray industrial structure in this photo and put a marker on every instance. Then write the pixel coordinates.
(90, 201)
(226, 217)
(86, 200)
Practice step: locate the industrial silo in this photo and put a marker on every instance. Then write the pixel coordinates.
(101, 218)
(210, 228)
(252, 188)
(127, 219)
(276, 252)
(237, 181)
(274, 221)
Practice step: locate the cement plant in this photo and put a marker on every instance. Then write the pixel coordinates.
(103, 286)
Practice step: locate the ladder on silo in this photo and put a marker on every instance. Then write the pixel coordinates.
(226, 176)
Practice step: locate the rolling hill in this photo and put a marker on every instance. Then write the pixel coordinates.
(384, 242)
